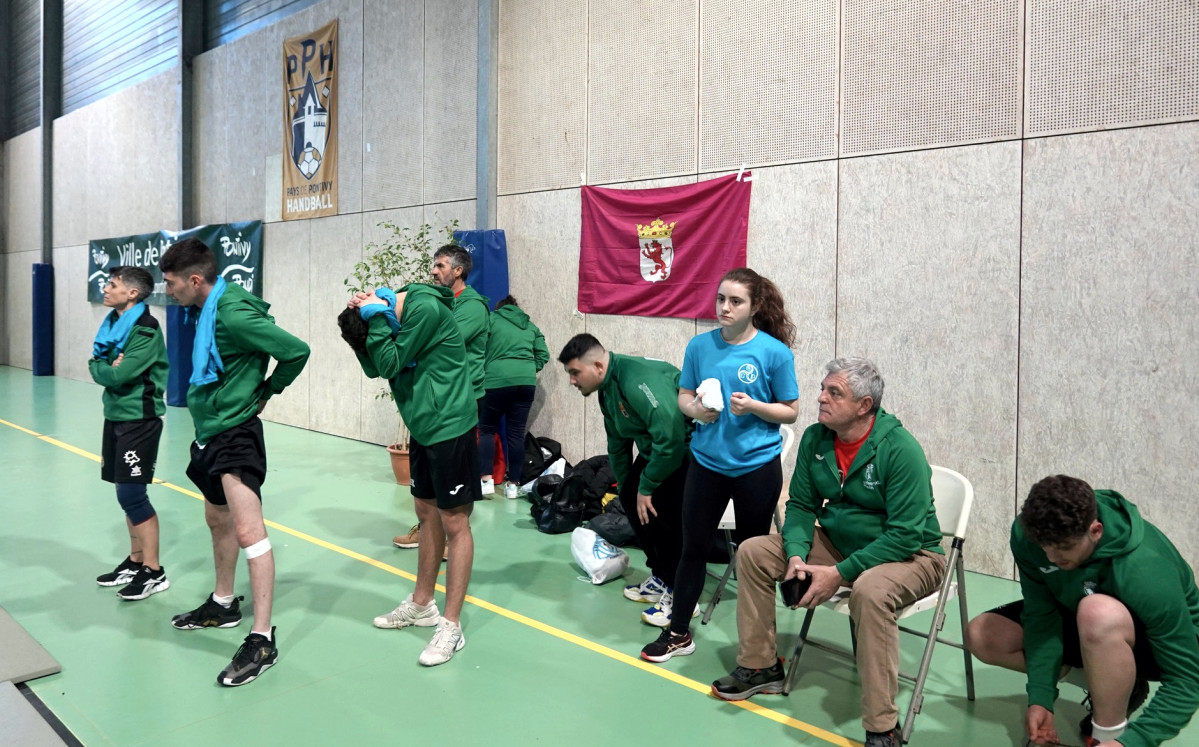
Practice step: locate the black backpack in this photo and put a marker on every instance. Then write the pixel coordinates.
(540, 453)
(577, 498)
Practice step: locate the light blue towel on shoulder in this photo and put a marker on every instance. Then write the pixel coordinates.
(114, 330)
(206, 359)
(388, 296)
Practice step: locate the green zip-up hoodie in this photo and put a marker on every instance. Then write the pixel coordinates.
(246, 338)
(133, 390)
(516, 350)
(882, 514)
(640, 401)
(470, 314)
(434, 396)
(1135, 563)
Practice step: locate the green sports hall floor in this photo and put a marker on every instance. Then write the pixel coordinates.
(549, 659)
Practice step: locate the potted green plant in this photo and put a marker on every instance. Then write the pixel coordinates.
(405, 256)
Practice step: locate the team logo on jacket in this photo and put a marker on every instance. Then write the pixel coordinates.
(657, 249)
(1088, 587)
(748, 373)
(868, 480)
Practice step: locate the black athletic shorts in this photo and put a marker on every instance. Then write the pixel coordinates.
(239, 451)
(1072, 650)
(129, 450)
(446, 471)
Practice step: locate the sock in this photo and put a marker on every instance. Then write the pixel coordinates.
(225, 602)
(267, 635)
(1107, 733)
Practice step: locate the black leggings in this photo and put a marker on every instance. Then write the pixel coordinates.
(754, 494)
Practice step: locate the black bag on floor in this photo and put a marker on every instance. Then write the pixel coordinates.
(540, 453)
(614, 526)
(589, 481)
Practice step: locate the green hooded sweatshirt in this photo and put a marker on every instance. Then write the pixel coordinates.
(640, 401)
(425, 364)
(470, 313)
(882, 514)
(1135, 563)
(516, 350)
(247, 339)
(133, 390)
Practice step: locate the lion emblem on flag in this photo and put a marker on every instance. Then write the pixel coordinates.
(657, 250)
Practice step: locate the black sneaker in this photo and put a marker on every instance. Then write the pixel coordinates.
(211, 614)
(891, 738)
(668, 644)
(1136, 699)
(145, 582)
(120, 575)
(254, 657)
(743, 682)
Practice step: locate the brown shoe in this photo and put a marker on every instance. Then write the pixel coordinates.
(410, 540)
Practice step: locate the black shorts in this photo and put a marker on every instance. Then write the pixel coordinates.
(1142, 653)
(239, 451)
(446, 471)
(129, 450)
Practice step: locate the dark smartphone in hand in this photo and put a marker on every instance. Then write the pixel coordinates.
(793, 589)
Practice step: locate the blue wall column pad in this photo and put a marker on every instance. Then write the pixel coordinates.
(489, 255)
(180, 337)
(43, 319)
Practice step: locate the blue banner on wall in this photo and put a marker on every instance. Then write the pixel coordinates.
(489, 253)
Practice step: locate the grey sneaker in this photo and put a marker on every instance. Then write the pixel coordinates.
(409, 613)
(447, 640)
(254, 657)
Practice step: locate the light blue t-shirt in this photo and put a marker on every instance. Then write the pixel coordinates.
(763, 368)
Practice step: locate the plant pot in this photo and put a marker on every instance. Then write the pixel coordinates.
(399, 464)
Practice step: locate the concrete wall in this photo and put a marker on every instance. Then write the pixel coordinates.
(981, 201)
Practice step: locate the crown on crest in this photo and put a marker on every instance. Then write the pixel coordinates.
(656, 230)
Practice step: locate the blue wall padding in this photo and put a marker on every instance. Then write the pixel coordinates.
(43, 319)
(179, 353)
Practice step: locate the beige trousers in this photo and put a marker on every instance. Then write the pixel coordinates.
(878, 593)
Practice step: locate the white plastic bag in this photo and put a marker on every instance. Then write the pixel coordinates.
(599, 559)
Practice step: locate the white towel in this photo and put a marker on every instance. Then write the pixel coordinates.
(709, 395)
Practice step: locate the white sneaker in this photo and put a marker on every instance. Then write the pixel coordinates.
(511, 490)
(659, 614)
(447, 640)
(650, 590)
(410, 613)
(487, 486)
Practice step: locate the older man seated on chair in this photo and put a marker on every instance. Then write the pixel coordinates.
(866, 480)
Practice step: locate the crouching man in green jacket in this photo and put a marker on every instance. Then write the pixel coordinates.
(409, 337)
(235, 341)
(865, 478)
(1104, 590)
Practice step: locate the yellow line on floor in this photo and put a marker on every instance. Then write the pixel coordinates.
(598, 648)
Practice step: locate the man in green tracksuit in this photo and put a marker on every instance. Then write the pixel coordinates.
(235, 340)
(129, 359)
(410, 339)
(639, 399)
(1104, 590)
(867, 481)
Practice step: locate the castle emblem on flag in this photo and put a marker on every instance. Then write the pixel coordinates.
(657, 251)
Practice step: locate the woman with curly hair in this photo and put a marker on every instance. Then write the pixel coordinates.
(738, 383)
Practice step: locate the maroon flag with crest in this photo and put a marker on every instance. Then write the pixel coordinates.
(661, 252)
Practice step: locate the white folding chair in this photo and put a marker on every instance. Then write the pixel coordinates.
(953, 496)
(728, 523)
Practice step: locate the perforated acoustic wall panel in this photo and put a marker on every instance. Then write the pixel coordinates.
(451, 69)
(542, 106)
(642, 90)
(767, 82)
(1104, 63)
(923, 73)
(392, 102)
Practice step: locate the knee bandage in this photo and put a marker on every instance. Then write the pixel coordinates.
(135, 502)
(258, 549)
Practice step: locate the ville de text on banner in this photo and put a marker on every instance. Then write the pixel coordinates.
(310, 124)
(661, 252)
(237, 247)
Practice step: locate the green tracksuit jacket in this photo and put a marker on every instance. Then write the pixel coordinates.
(246, 338)
(434, 396)
(1135, 563)
(470, 314)
(640, 401)
(515, 350)
(133, 390)
(882, 514)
